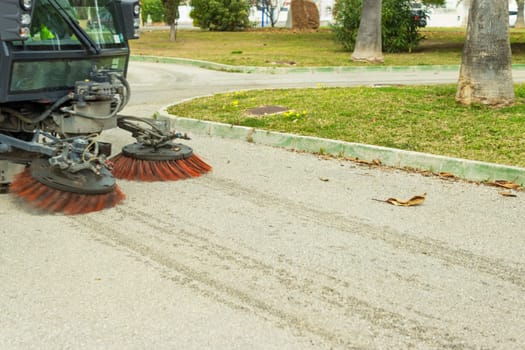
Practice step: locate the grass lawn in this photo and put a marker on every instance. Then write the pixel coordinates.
(418, 118)
(283, 47)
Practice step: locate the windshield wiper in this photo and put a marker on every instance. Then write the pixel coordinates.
(84, 39)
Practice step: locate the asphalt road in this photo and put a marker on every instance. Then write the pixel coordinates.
(272, 250)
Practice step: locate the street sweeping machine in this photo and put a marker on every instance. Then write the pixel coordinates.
(63, 66)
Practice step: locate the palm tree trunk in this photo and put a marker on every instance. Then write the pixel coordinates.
(486, 70)
(368, 46)
(173, 30)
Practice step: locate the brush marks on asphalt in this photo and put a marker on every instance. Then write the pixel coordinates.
(429, 247)
(310, 304)
(348, 284)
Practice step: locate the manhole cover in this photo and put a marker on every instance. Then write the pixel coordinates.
(266, 110)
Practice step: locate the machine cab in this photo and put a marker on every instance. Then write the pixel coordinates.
(46, 46)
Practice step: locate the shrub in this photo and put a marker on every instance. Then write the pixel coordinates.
(220, 15)
(347, 14)
(153, 8)
(398, 28)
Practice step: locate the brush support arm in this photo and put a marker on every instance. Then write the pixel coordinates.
(70, 154)
(7, 143)
(150, 132)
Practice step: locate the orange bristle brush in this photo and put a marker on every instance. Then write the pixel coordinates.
(49, 189)
(171, 162)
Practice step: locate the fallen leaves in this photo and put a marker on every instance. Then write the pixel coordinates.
(505, 184)
(509, 186)
(507, 194)
(445, 175)
(373, 162)
(416, 200)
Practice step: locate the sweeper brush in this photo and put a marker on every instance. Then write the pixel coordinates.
(49, 189)
(155, 157)
(70, 175)
(169, 163)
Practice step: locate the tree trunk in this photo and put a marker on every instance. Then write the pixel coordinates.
(173, 31)
(520, 20)
(368, 45)
(486, 66)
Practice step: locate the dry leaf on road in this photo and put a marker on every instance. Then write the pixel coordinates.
(373, 162)
(507, 194)
(416, 200)
(446, 175)
(505, 184)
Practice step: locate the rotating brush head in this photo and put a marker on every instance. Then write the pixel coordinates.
(48, 189)
(143, 163)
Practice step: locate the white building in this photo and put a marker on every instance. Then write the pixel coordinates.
(324, 6)
(452, 14)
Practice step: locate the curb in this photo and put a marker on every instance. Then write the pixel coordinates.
(462, 168)
(281, 70)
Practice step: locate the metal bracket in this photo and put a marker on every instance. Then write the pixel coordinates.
(29, 146)
(155, 134)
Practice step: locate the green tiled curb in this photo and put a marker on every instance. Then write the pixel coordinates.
(253, 69)
(463, 168)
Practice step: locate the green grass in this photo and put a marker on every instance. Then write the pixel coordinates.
(423, 118)
(283, 47)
